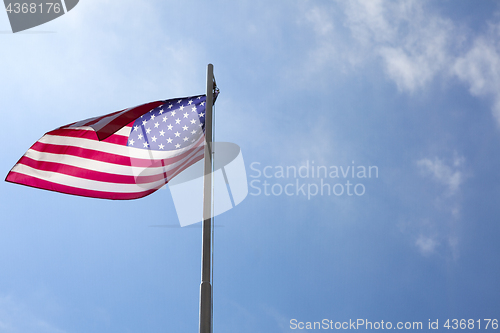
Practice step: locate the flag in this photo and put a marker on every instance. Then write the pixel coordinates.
(123, 155)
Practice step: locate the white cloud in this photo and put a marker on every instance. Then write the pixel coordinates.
(426, 244)
(368, 23)
(480, 68)
(324, 35)
(432, 236)
(449, 175)
(320, 20)
(413, 43)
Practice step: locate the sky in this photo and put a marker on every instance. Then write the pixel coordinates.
(407, 89)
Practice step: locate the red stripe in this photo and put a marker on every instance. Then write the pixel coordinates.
(84, 153)
(18, 178)
(108, 157)
(131, 115)
(72, 133)
(117, 139)
(184, 167)
(27, 180)
(100, 176)
(89, 134)
(79, 172)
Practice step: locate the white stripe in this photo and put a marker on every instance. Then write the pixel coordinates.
(85, 184)
(100, 166)
(188, 162)
(107, 119)
(112, 148)
(124, 131)
(93, 165)
(104, 120)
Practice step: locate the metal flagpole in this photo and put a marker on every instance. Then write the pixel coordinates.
(206, 288)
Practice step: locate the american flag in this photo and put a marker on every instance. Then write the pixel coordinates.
(123, 155)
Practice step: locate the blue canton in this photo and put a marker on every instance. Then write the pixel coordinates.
(173, 125)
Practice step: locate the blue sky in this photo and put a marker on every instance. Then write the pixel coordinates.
(410, 87)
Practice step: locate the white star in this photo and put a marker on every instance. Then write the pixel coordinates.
(202, 114)
(193, 121)
(146, 144)
(200, 124)
(193, 109)
(177, 134)
(144, 122)
(162, 133)
(185, 138)
(202, 103)
(165, 119)
(136, 128)
(179, 101)
(161, 146)
(131, 142)
(152, 117)
(157, 124)
(199, 97)
(173, 113)
(181, 107)
(177, 146)
(148, 130)
(170, 106)
(169, 127)
(169, 140)
(193, 132)
(140, 136)
(177, 121)
(190, 102)
(186, 115)
(185, 128)
(153, 138)
(161, 111)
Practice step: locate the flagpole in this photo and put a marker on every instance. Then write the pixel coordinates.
(206, 287)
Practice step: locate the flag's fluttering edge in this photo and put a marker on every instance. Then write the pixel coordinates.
(123, 155)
